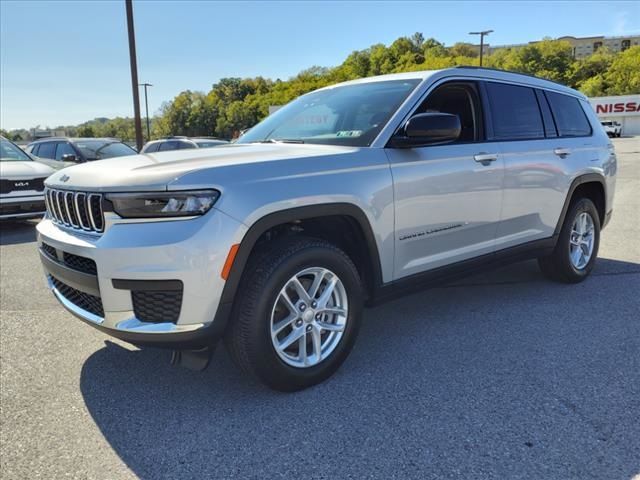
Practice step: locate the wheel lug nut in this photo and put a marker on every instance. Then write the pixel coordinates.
(318, 316)
(298, 323)
(308, 328)
(302, 307)
(314, 304)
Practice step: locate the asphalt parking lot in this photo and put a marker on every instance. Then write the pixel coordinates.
(502, 375)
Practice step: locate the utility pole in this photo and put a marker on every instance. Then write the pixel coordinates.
(134, 73)
(482, 35)
(146, 107)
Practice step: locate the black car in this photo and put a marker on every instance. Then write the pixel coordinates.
(181, 143)
(79, 150)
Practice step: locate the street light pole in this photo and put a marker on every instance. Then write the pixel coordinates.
(482, 34)
(146, 107)
(134, 73)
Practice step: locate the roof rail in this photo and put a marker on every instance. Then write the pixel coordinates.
(473, 67)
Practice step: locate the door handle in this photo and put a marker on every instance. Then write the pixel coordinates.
(485, 158)
(562, 152)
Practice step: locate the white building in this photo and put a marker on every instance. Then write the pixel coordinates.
(624, 109)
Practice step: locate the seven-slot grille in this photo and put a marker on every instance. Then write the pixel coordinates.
(79, 210)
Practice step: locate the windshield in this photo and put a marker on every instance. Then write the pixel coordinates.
(12, 153)
(101, 149)
(350, 115)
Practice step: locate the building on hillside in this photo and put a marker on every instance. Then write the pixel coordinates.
(624, 109)
(37, 133)
(582, 46)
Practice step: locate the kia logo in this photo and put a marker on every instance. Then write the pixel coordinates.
(21, 184)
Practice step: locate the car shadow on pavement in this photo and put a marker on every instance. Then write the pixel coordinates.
(501, 375)
(14, 232)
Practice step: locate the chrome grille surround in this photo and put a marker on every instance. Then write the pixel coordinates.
(77, 210)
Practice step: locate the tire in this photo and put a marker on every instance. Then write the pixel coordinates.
(560, 265)
(261, 307)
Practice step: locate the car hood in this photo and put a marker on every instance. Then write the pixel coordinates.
(154, 171)
(24, 170)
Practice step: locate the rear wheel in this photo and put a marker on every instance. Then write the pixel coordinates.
(577, 248)
(297, 314)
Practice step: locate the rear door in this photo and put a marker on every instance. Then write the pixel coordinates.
(541, 147)
(447, 197)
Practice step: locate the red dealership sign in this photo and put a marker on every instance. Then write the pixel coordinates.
(628, 105)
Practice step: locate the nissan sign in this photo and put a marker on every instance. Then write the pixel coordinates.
(623, 106)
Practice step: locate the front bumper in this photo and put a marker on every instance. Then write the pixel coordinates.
(135, 257)
(31, 206)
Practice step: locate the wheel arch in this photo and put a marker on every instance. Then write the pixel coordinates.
(590, 185)
(309, 213)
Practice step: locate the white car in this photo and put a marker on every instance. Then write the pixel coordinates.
(21, 183)
(613, 129)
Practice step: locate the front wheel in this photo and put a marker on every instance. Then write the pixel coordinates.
(576, 250)
(297, 314)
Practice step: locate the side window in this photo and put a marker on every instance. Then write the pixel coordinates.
(32, 149)
(166, 146)
(459, 99)
(64, 149)
(152, 148)
(47, 150)
(186, 145)
(569, 115)
(515, 114)
(549, 125)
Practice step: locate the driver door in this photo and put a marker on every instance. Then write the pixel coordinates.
(448, 198)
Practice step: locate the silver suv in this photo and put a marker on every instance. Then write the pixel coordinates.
(348, 196)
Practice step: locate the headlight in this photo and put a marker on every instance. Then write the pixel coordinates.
(163, 204)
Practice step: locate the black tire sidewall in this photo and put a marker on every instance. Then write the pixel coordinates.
(268, 366)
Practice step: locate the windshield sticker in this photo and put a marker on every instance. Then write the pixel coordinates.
(349, 133)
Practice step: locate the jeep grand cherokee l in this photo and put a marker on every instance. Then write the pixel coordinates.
(348, 196)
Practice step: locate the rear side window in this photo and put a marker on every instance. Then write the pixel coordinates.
(47, 150)
(569, 115)
(153, 147)
(514, 112)
(170, 145)
(186, 145)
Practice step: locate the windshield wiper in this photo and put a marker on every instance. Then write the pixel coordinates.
(281, 140)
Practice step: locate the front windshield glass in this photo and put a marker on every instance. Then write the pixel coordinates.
(12, 153)
(350, 115)
(101, 149)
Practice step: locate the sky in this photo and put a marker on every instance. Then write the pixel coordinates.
(65, 62)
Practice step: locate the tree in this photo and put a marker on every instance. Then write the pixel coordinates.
(463, 50)
(623, 77)
(86, 131)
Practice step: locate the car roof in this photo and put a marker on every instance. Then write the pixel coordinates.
(75, 139)
(192, 139)
(471, 72)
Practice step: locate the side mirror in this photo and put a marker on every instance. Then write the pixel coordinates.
(427, 129)
(70, 157)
